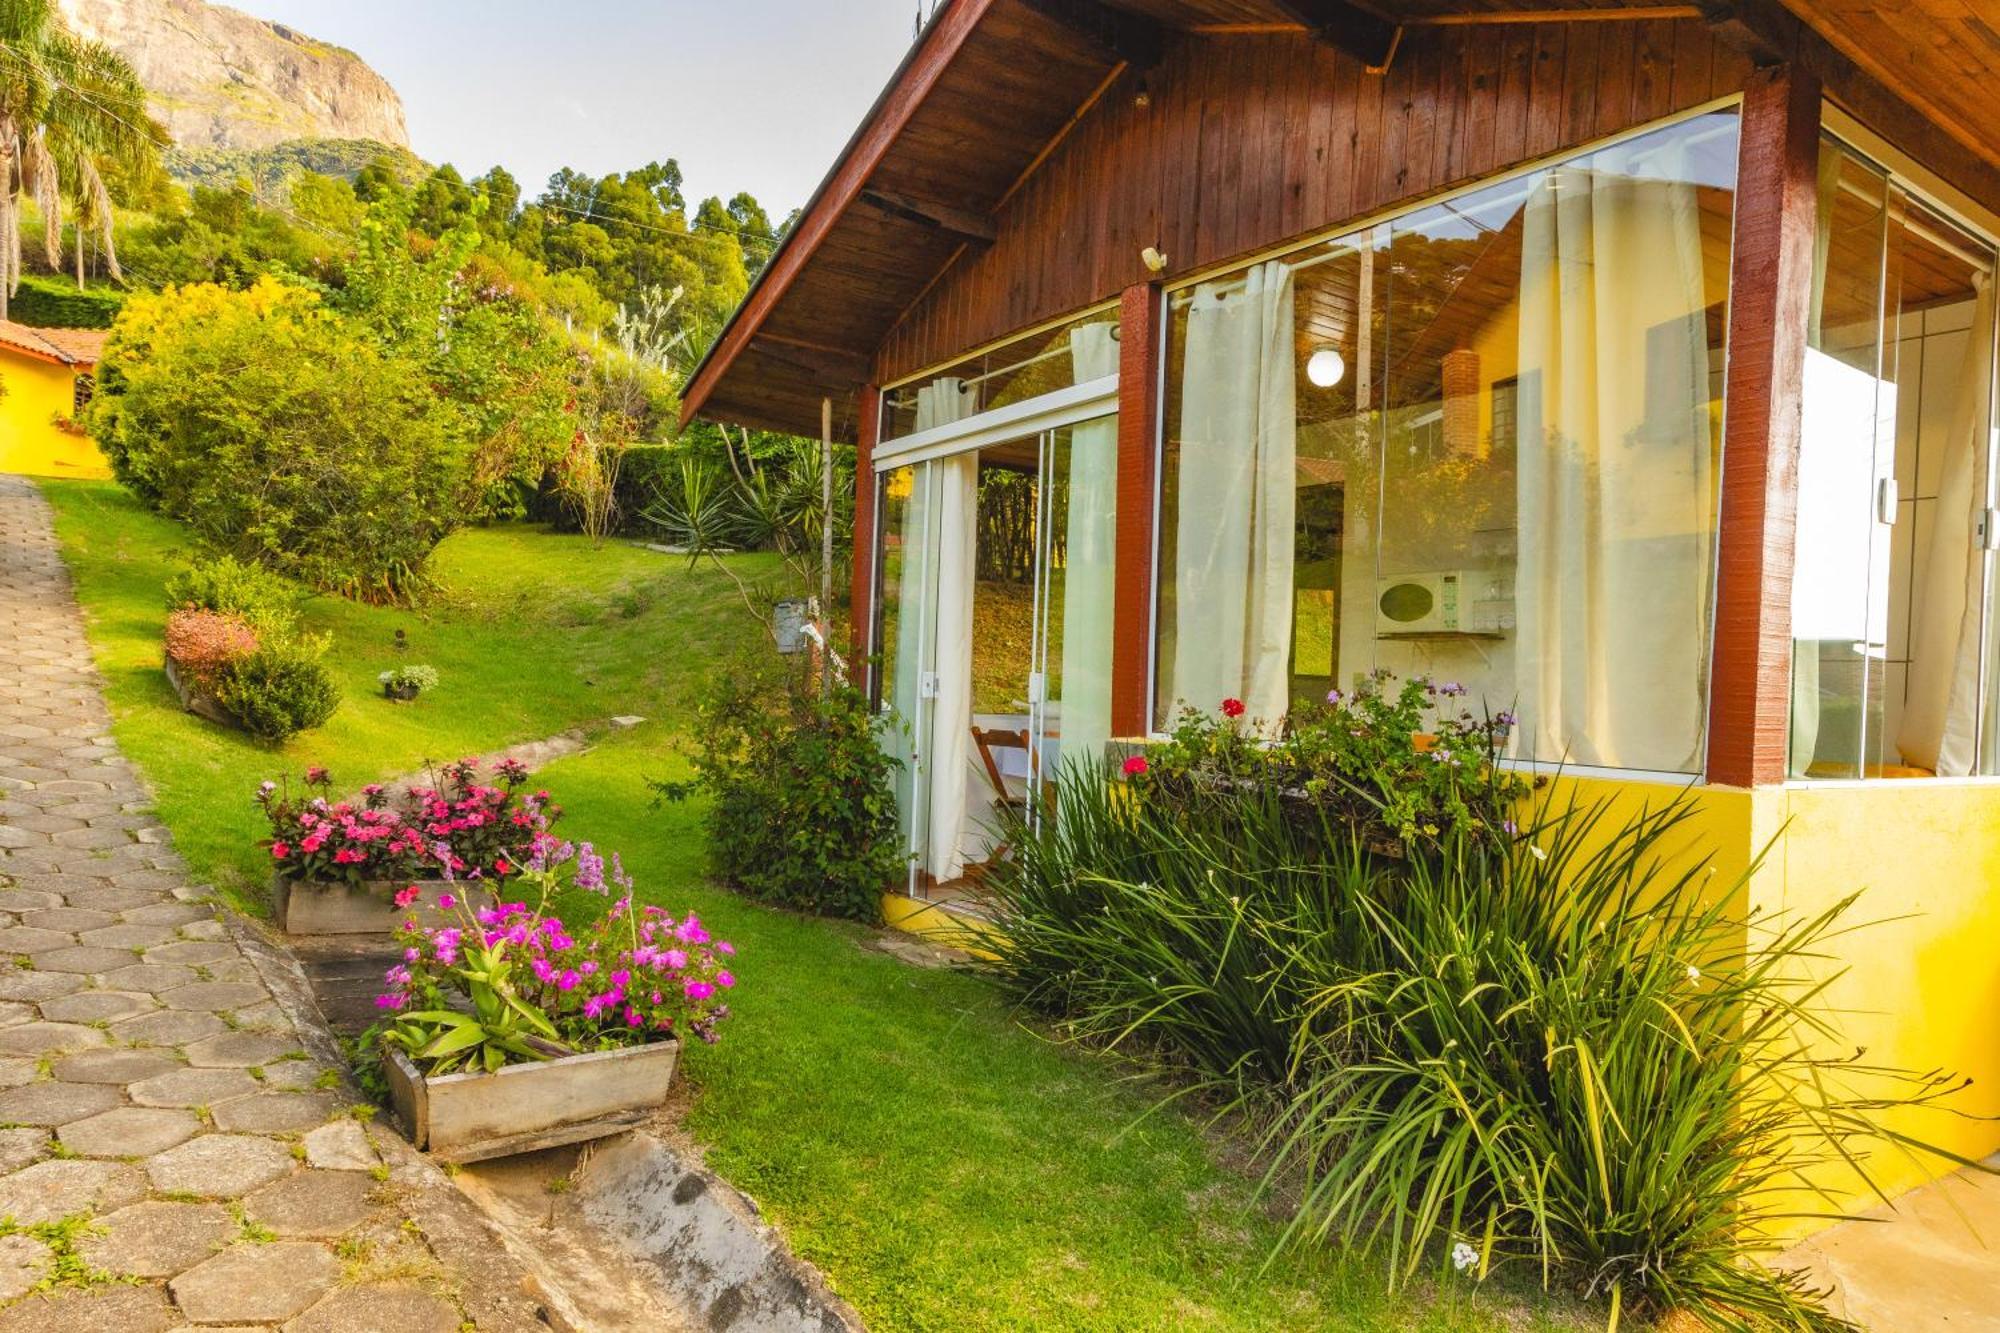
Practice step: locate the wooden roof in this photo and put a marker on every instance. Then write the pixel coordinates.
(991, 87)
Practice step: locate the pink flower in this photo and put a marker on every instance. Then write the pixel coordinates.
(1136, 765)
(725, 979)
(567, 980)
(446, 901)
(724, 947)
(408, 896)
(698, 990)
(347, 856)
(280, 850)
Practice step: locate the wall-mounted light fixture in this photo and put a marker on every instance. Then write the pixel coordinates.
(1142, 96)
(1326, 367)
(1154, 261)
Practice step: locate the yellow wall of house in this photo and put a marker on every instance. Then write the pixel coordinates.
(36, 392)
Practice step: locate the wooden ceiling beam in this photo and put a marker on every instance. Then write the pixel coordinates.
(964, 223)
(1764, 30)
(1120, 37)
(1348, 28)
(813, 359)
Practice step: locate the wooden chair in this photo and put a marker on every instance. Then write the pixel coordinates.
(989, 739)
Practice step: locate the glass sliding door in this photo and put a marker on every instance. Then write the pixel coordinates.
(1890, 623)
(995, 635)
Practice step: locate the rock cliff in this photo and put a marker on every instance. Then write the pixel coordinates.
(222, 79)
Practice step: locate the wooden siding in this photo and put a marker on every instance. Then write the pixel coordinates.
(1251, 140)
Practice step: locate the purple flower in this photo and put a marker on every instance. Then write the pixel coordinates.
(567, 980)
(589, 868)
(698, 990)
(725, 979)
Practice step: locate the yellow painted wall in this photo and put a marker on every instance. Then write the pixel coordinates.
(36, 392)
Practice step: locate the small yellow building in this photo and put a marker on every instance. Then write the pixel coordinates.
(46, 376)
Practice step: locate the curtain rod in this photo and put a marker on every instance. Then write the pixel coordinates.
(1983, 263)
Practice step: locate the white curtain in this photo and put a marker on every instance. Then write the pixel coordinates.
(1615, 481)
(1941, 705)
(1805, 652)
(937, 596)
(1238, 491)
(1090, 558)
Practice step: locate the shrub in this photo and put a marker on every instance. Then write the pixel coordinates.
(413, 679)
(281, 689)
(234, 587)
(202, 642)
(801, 808)
(1544, 1048)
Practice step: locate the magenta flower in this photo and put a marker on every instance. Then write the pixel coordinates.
(698, 990)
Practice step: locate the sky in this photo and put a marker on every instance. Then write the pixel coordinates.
(756, 95)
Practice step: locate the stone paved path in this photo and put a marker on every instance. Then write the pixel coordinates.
(171, 1154)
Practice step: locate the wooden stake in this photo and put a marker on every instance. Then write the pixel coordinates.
(826, 546)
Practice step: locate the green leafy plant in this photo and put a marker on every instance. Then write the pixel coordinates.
(1546, 1048)
(801, 808)
(406, 682)
(229, 586)
(281, 689)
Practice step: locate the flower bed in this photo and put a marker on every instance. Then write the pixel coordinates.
(340, 866)
(508, 1030)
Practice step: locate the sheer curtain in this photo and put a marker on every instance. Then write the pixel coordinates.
(1805, 653)
(1941, 704)
(939, 595)
(1238, 493)
(1615, 483)
(1090, 558)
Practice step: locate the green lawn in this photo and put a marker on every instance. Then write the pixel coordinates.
(946, 1165)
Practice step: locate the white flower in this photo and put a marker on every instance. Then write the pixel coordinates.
(1540, 855)
(1694, 973)
(1463, 1257)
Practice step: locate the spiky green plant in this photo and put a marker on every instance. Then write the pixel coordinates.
(1567, 1049)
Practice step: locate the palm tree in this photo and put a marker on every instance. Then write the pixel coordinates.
(69, 110)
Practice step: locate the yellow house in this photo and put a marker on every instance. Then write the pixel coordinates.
(46, 376)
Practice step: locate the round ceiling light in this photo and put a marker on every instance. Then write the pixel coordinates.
(1325, 367)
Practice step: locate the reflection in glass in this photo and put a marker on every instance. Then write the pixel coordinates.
(1477, 443)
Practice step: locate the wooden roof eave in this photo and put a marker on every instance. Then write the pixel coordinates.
(918, 73)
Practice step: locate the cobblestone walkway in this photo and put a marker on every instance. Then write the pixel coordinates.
(171, 1154)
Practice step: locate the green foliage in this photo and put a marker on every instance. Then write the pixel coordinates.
(801, 807)
(1411, 766)
(414, 678)
(55, 303)
(274, 171)
(281, 689)
(281, 437)
(224, 584)
(1530, 1050)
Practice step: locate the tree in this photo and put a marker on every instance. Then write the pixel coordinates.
(70, 111)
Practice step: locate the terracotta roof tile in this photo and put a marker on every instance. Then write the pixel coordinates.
(70, 347)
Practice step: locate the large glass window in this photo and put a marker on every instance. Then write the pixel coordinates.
(1890, 618)
(1479, 443)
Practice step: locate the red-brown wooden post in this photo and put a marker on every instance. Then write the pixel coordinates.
(861, 592)
(1139, 354)
(1770, 296)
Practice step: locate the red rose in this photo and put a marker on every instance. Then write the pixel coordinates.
(1135, 765)
(1232, 708)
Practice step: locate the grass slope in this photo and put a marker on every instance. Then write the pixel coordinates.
(947, 1166)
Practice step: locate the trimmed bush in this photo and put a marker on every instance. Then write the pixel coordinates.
(55, 303)
(281, 689)
(235, 587)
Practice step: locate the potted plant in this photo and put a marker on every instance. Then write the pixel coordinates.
(405, 683)
(340, 867)
(200, 645)
(508, 1031)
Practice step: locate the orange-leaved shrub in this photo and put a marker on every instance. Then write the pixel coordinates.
(202, 643)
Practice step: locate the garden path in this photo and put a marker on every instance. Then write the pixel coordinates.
(171, 1151)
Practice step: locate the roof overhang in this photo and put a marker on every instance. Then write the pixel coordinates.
(991, 87)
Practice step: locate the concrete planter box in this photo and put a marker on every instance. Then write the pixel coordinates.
(525, 1107)
(304, 908)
